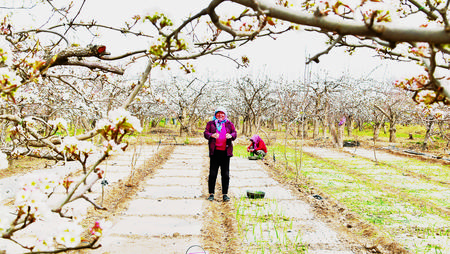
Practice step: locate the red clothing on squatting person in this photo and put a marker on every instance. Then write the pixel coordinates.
(257, 146)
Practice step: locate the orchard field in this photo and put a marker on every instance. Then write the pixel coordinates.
(380, 197)
(100, 98)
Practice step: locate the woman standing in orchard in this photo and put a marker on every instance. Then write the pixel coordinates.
(220, 133)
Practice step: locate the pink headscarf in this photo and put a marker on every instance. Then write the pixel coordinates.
(219, 123)
(255, 139)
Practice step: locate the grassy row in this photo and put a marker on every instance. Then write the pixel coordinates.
(264, 228)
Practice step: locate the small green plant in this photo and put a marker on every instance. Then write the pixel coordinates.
(263, 227)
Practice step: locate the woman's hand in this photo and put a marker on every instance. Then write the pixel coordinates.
(215, 135)
(228, 136)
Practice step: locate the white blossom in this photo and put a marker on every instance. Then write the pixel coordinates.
(43, 245)
(69, 234)
(121, 115)
(22, 196)
(10, 76)
(113, 147)
(78, 147)
(134, 121)
(59, 122)
(102, 123)
(118, 115)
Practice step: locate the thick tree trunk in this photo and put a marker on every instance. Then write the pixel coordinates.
(324, 129)
(333, 134)
(392, 134)
(340, 135)
(427, 135)
(272, 123)
(316, 128)
(360, 125)
(376, 131)
(350, 123)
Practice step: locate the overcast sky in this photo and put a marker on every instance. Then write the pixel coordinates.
(284, 56)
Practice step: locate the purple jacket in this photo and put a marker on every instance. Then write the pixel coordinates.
(211, 129)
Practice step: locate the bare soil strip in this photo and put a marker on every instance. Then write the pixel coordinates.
(219, 232)
(121, 193)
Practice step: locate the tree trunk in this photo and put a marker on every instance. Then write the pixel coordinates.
(333, 134)
(155, 122)
(340, 136)
(235, 120)
(376, 131)
(316, 128)
(360, 125)
(324, 129)
(305, 129)
(427, 135)
(299, 129)
(392, 132)
(350, 123)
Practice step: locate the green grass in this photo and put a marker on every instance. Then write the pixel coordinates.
(264, 229)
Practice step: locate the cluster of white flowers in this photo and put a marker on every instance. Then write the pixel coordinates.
(120, 115)
(26, 95)
(34, 194)
(59, 122)
(119, 119)
(111, 146)
(69, 234)
(3, 161)
(43, 245)
(103, 124)
(9, 77)
(434, 110)
(77, 147)
(424, 96)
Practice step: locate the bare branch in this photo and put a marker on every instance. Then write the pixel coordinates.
(387, 32)
(316, 57)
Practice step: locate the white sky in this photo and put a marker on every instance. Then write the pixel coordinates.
(284, 56)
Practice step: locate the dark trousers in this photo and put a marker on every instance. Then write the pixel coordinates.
(219, 159)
